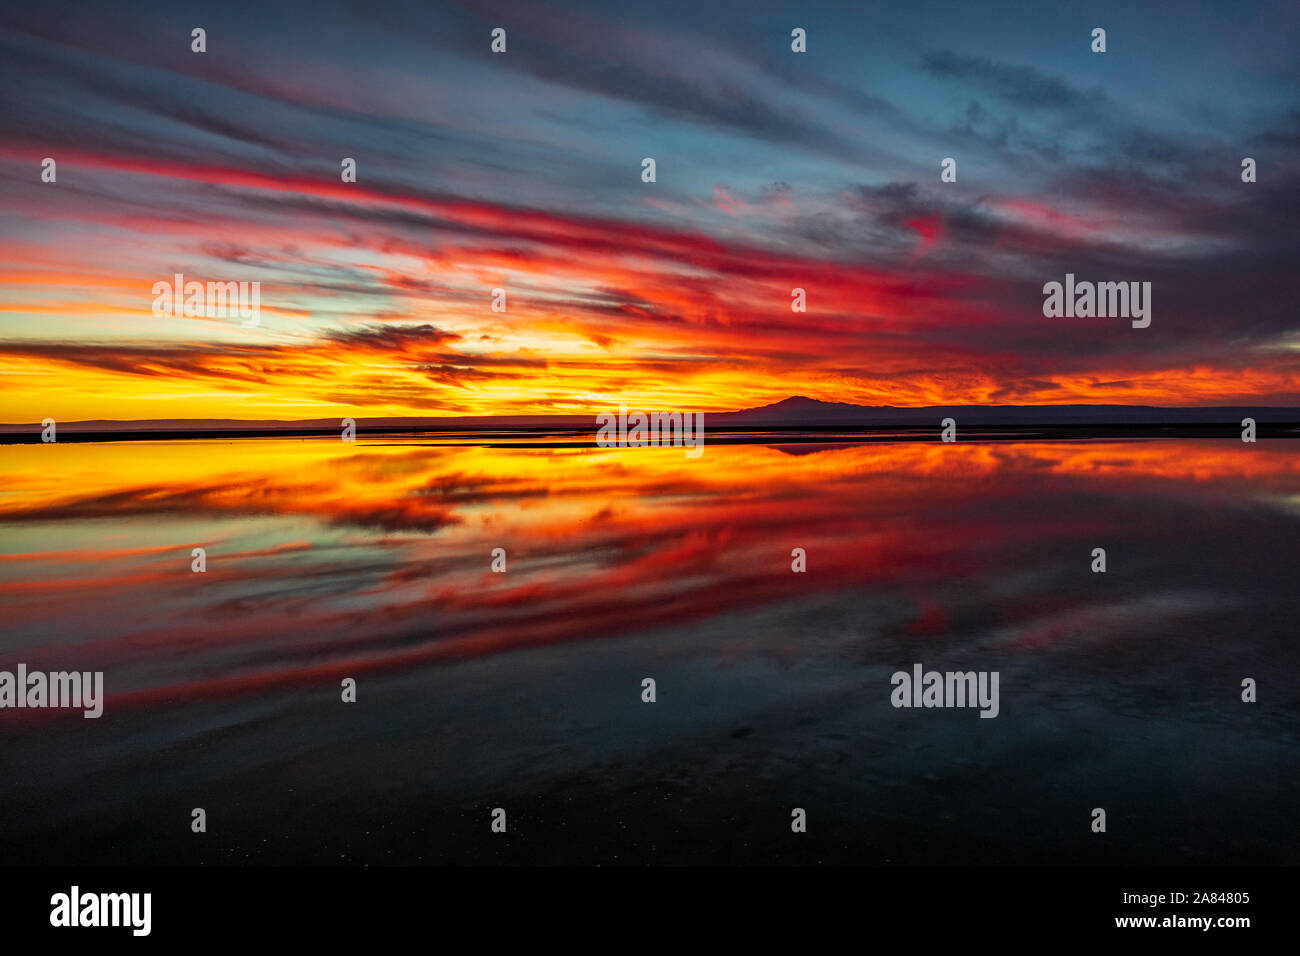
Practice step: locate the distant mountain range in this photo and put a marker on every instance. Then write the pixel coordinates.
(800, 411)
(790, 413)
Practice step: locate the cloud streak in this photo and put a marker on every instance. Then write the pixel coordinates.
(521, 172)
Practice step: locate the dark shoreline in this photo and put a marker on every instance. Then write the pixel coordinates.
(724, 434)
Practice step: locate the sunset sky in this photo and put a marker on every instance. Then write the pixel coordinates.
(522, 171)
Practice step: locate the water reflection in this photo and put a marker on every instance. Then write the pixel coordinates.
(328, 560)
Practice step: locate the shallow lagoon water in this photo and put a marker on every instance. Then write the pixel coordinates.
(522, 690)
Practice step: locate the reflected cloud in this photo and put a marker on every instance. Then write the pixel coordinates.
(327, 558)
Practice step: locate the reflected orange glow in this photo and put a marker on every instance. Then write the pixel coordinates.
(324, 555)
